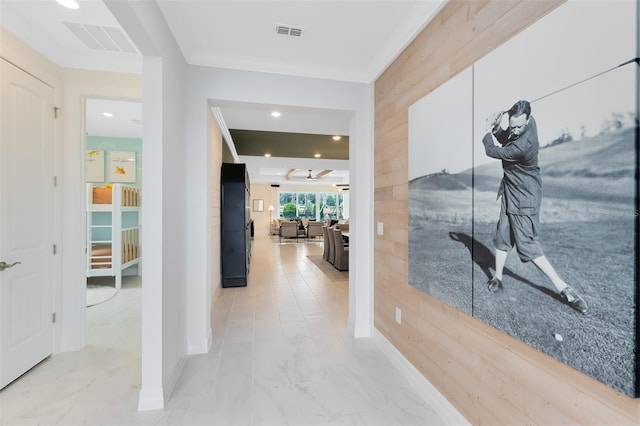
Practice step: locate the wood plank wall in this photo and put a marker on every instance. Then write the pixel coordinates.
(490, 377)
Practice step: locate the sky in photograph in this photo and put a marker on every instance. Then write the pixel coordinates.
(440, 129)
(578, 40)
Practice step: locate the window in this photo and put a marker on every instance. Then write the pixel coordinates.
(314, 206)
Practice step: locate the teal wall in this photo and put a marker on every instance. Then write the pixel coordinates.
(107, 144)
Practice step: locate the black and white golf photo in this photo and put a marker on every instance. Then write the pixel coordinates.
(523, 190)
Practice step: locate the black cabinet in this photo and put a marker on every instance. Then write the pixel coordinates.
(235, 224)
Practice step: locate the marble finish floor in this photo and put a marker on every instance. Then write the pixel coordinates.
(281, 355)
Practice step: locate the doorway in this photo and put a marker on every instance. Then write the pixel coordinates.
(113, 183)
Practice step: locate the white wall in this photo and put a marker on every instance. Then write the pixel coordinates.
(72, 87)
(164, 309)
(207, 84)
(78, 85)
(361, 228)
(261, 221)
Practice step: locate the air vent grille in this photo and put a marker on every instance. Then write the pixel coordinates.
(101, 38)
(288, 30)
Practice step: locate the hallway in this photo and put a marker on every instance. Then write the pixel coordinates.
(280, 355)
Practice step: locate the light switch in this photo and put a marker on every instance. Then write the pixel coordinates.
(380, 228)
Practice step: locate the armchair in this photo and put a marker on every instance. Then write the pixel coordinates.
(288, 230)
(314, 229)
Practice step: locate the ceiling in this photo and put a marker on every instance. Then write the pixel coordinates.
(295, 145)
(349, 40)
(125, 120)
(302, 128)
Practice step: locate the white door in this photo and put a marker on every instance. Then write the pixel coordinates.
(26, 221)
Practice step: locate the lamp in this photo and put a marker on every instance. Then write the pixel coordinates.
(270, 213)
(309, 177)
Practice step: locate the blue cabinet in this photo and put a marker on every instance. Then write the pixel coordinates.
(235, 224)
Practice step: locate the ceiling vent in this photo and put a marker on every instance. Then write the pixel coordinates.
(101, 38)
(287, 30)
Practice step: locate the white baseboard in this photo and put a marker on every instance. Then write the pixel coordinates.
(359, 329)
(201, 348)
(447, 412)
(151, 399)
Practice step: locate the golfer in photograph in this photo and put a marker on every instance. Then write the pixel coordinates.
(512, 137)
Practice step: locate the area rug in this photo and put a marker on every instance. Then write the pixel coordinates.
(328, 269)
(97, 294)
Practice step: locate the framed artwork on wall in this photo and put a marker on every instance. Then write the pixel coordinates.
(258, 205)
(94, 165)
(565, 178)
(122, 166)
(440, 192)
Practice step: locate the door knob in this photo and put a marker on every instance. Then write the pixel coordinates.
(5, 265)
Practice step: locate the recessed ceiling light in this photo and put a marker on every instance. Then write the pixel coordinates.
(107, 114)
(267, 155)
(69, 4)
(317, 155)
(275, 114)
(337, 138)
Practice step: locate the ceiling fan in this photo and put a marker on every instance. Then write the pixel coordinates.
(290, 175)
